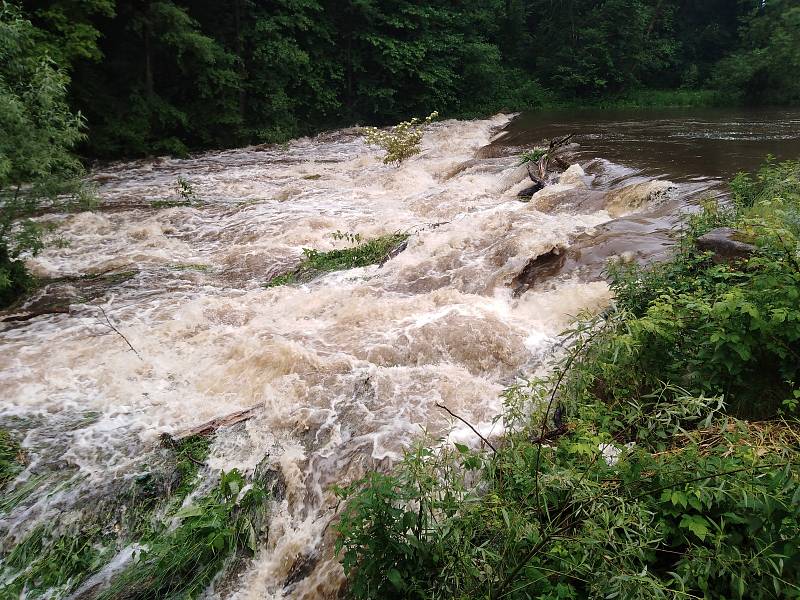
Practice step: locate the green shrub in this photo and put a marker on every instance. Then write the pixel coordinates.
(367, 253)
(400, 141)
(623, 474)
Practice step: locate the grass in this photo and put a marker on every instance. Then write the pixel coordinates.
(55, 557)
(170, 203)
(316, 263)
(191, 267)
(12, 458)
(181, 562)
(45, 562)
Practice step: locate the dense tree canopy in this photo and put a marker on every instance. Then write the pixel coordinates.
(164, 76)
(37, 133)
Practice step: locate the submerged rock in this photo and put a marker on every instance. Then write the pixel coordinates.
(723, 242)
(529, 191)
(538, 268)
(574, 176)
(633, 197)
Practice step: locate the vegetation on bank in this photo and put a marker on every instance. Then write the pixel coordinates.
(182, 545)
(165, 76)
(659, 459)
(316, 263)
(11, 457)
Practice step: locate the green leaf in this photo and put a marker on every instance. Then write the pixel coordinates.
(396, 578)
(189, 511)
(696, 524)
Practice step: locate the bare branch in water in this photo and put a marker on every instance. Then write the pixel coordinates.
(468, 424)
(110, 325)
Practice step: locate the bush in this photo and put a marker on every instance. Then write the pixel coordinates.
(36, 164)
(623, 474)
(401, 141)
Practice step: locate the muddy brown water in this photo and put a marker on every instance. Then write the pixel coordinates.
(345, 371)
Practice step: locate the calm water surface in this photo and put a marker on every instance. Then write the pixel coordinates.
(680, 144)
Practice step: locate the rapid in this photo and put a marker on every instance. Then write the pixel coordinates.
(343, 372)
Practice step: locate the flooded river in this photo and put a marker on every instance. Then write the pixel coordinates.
(343, 372)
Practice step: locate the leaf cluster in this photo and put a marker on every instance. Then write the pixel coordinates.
(401, 141)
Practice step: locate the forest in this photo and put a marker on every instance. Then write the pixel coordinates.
(157, 77)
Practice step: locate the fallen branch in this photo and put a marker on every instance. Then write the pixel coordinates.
(110, 325)
(209, 427)
(468, 424)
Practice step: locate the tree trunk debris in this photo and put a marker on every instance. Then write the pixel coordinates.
(210, 427)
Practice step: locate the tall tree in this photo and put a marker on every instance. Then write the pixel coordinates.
(38, 133)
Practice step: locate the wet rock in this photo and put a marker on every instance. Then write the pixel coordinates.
(574, 176)
(530, 190)
(560, 198)
(302, 568)
(633, 197)
(491, 151)
(538, 268)
(724, 244)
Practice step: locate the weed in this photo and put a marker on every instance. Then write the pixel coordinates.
(353, 238)
(316, 263)
(169, 203)
(401, 141)
(182, 562)
(12, 458)
(185, 190)
(191, 267)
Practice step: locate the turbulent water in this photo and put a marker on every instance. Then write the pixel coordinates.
(345, 371)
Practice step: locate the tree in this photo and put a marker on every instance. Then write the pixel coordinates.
(38, 133)
(765, 69)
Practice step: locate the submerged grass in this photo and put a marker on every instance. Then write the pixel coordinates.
(47, 563)
(316, 263)
(182, 562)
(185, 547)
(12, 458)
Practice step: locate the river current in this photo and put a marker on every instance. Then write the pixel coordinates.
(344, 372)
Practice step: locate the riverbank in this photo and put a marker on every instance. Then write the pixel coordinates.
(657, 459)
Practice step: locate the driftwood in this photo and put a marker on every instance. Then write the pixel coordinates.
(209, 427)
(543, 164)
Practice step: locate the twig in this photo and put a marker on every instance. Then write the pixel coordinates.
(118, 332)
(468, 424)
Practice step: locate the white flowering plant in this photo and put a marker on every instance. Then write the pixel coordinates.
(400, 141)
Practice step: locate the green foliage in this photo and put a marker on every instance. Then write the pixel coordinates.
(731, 329)
(762, 71)
(185, 546)
(185, 189)
(46, 561)
(11, 458)
(161, 76)
(181, 562)
(400, 141)
(316, 263)
(532, 156)
(623, 474)
(37, 167)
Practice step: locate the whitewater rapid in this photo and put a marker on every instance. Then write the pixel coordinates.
(345, 372)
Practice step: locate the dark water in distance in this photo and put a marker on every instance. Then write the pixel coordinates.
(682, 144)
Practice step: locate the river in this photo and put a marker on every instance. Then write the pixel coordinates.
(344, 372)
